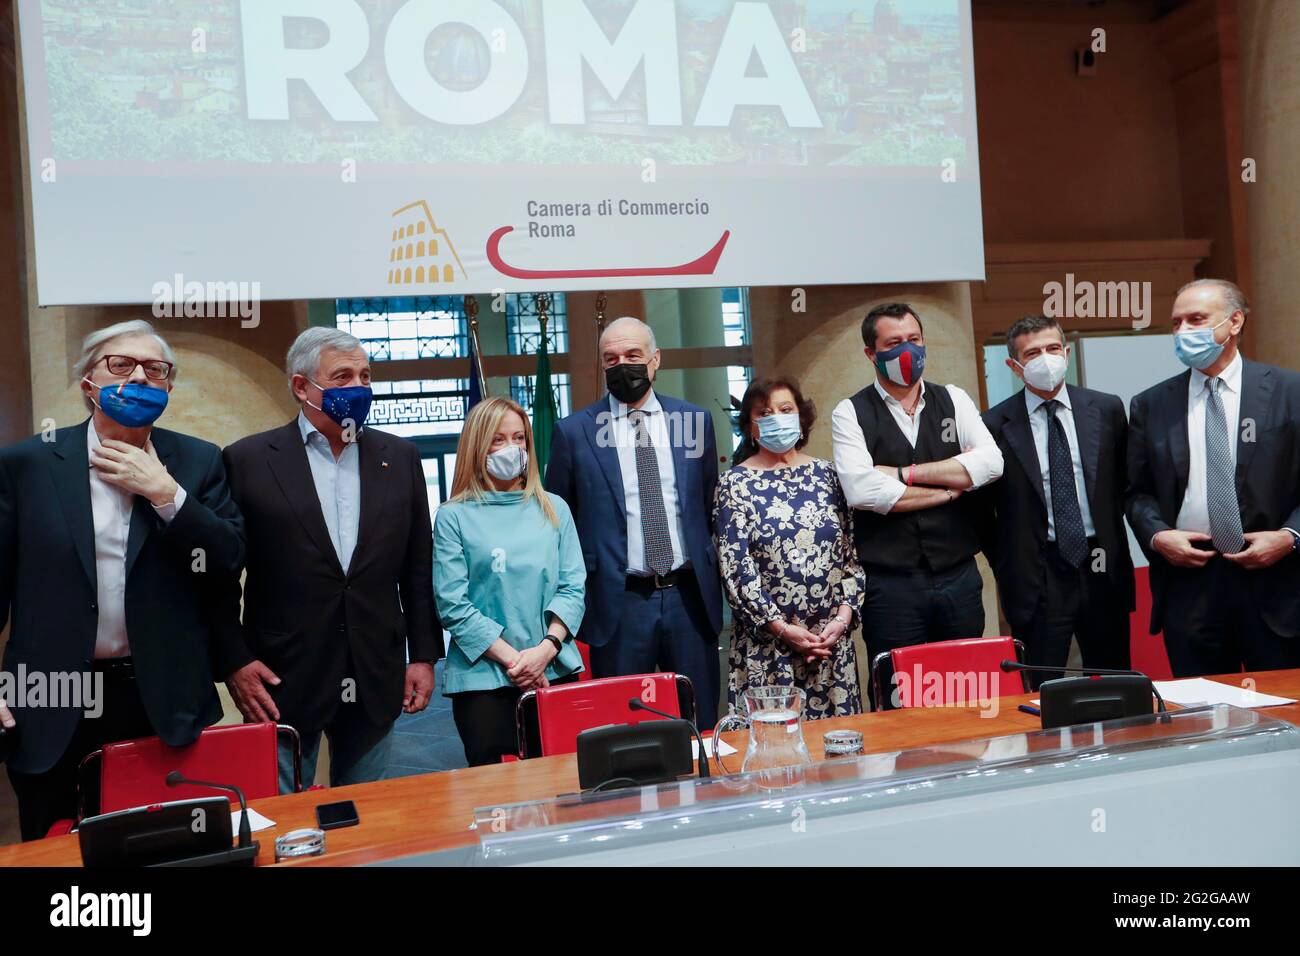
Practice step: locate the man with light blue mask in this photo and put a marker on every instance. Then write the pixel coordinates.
(116, 538)
(339, 634)
(906, 452)
(1214, 494)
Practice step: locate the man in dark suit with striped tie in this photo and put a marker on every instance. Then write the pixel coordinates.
(1214, 494)
(638, 470)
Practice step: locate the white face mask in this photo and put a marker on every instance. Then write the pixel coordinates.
(1046, 371)
(508, 463)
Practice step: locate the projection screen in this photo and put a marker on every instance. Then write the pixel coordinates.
(330, 148)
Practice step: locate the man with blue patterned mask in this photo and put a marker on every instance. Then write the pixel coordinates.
(339, 633)
(115, 538)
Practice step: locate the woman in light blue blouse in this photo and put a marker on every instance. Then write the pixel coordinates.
(509, 578)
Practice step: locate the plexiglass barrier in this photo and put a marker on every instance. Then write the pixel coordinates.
(577, 824)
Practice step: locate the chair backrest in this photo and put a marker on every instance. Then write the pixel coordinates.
(954, 672)
(133, 773)
(562, 712)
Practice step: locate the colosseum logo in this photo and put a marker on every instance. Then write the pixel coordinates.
(421, 253)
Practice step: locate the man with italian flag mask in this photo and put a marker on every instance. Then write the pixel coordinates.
(907, 452)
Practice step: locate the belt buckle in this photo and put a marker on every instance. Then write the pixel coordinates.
(661, 581)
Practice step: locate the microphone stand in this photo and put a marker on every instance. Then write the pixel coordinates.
(635, 703)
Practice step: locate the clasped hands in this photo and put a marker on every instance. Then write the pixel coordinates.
(1263, 548)
(527, 668)
(811, 645)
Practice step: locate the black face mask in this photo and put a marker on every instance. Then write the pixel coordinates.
(628, 382)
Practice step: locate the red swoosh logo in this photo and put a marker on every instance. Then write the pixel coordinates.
(702, 266)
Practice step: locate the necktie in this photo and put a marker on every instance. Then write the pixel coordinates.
(1220, 476)
(1071, 542)
(654, 520)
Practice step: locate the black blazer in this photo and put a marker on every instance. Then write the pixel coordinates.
(48, 583)
(1014, 516)
(303, 615)
(1268, 479)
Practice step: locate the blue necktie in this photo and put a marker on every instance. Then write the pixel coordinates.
(1067, 519)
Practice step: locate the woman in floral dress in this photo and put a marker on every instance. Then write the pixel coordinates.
(785, 549)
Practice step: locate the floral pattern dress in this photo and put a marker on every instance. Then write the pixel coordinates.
(785, 550)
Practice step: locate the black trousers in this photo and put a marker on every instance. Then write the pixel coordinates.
(1211, 624)
(902, 608)
(1076, 602)
(485, 720)
(44, 798)
(666, 629)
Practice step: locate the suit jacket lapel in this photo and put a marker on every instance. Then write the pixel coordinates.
(602, 441)
(1020, 437)
(1256, 390)
(1178, 443)
(143, 517)
(288, 463)
(70, 471)
(375, 470)
(1087, 426)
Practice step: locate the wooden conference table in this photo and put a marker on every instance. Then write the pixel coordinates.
(434, 811)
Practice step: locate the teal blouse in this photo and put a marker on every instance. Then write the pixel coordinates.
(501, 569)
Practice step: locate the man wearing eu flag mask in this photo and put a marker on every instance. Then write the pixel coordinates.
(338, 633)
(1214, 497)
(906, 452)
(116, 538)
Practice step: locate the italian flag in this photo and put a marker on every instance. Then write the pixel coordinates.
(898, 369)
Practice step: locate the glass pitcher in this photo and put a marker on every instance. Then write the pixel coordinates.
(776, 750)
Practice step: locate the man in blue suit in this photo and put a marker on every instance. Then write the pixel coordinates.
(638, 471)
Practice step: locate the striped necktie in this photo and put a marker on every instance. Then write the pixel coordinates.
(1220, 476)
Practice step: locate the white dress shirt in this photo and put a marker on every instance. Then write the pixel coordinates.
(1194, 514)
(624, 436)
(338, 488)
(866, 487)
(1038, 424)
(111, 507)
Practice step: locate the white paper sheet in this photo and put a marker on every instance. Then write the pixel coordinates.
(1198, 690)
(726, 748)
(255, 821)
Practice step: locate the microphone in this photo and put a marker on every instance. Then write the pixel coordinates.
(175, 779)
(635, 703)
(1008, 666)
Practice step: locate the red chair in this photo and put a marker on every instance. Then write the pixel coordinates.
(970, 668)
(549, 720)
(133, 773)
(585, 651)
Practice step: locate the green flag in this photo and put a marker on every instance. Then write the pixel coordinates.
(543, 408)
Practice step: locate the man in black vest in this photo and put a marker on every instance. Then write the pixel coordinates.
(1055, 522)
(905, 454)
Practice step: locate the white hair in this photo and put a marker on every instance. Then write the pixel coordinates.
(95, 346)
(304, 355)
(624, 322)
(1233, 297)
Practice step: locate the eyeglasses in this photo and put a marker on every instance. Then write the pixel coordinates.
(124, 365)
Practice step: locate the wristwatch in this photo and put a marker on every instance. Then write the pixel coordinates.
(559, 644)
(1295, 539)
